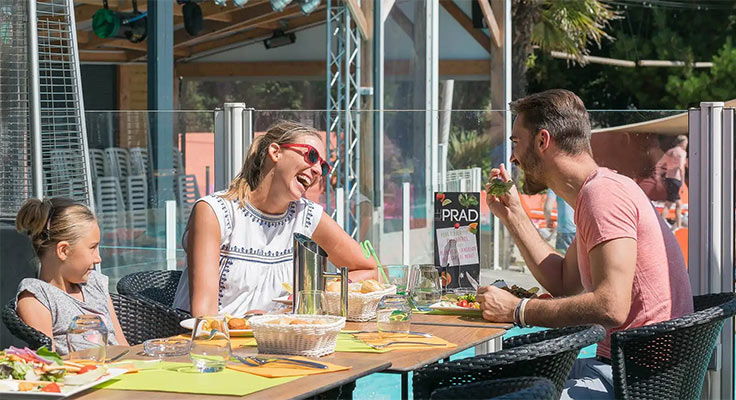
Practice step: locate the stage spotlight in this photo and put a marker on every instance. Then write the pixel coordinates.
(221, 3)
(308, 6)
(279, 39)
(240, 3)
(279, 5)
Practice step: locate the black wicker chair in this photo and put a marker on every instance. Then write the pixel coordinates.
(33, 338)
(549, 354)
(158, 286)
(501, 389)
(139, 319)
(668, 360)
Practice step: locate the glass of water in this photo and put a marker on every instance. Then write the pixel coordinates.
(397, 275)
(87, 338)
(427, 288)
(393, 317)
(210, 347)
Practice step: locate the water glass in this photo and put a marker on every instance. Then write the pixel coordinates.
(210, 348)
(87, 338)
(393, 317)
(311, 302)
(427, 288)
(397, 275)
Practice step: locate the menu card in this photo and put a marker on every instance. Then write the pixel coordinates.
(457, 238)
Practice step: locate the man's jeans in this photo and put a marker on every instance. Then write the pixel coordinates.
(589, 379)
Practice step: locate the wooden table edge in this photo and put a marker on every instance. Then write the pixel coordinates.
(461, 325)
(457, 349)
(383, 367)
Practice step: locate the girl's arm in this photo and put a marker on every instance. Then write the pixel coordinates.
(203, 255)
(119, 335)
(35, 314)
(343, 250)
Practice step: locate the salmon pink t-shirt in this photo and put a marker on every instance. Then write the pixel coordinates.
(612, 206)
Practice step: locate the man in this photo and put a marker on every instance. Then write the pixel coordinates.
(565, 225)
(674, 162)
(623, 270)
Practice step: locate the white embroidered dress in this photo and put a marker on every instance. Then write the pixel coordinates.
(256, 253)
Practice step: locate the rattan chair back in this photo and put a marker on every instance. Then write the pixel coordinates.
(522, 388)
(159, 286)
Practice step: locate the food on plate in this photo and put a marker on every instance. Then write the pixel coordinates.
(296, 321)
(498, 187)
(465, 301)
(370, 286)
(25, 370)
(519, 291)
(238, 323)
(446, 278)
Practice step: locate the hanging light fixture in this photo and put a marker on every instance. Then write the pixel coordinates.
(240, 3)
(308, 6)
(279, 39)
(279, 5)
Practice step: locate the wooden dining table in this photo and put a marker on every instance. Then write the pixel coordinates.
(396, 361)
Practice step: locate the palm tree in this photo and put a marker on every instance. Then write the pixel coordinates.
(554, 25)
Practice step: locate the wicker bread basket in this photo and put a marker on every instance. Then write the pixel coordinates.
(361, 306)
(313, 340)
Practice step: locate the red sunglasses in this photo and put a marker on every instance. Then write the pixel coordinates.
(311, 156)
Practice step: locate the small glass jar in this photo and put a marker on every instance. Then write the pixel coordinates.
(393, 317)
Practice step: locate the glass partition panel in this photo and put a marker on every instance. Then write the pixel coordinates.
(129, 200)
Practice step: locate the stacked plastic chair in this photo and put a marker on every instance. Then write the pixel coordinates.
(549, 354)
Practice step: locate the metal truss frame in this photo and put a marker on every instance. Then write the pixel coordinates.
(343, 116)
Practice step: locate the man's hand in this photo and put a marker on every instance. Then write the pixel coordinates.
(506, 205)
(497, 304)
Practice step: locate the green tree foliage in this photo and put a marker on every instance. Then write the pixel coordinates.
(718, 84)
(649, 33)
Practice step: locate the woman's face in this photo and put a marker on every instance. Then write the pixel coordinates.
(294, 172)
(82, 255)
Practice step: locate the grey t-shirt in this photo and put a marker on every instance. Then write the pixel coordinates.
(64, 307)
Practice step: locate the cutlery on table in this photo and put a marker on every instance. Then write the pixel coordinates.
(422, 334)
(117, 357)
(381, 346)
(254, 361)
(472, 280)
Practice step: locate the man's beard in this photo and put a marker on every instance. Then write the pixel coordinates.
(532, 167)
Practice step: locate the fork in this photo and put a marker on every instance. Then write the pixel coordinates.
(382, 346)
(253, 361)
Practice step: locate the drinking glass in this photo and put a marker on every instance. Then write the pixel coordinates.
(87, 338)
(310, 302)
(210, 348)
(427, 288)
(397, 275)
(393, 317)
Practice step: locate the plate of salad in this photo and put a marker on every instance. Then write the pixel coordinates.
(464, 303)
(25, 373)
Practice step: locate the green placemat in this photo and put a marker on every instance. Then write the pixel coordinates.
(345, 343)
(183, 378)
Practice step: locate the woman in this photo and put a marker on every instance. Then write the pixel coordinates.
(239, 243)
(65, 237)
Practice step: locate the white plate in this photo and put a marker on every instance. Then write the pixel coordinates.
(283, 300)
(67, 390)
(443, 307)
(189, 324)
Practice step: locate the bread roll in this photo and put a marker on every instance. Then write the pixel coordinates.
(370, 285)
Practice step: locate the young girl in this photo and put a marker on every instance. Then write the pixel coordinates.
(65, 237)
(239, 242)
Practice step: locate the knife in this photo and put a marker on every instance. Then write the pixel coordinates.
(422, 334)
(305, 363)
(472, 281)
(117, 357)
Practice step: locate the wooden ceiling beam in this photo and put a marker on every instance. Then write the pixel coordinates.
(293, 23)
(465, 21)
(316, 68)
(490, 18)
(403, 22)
(120, 56)
(210, 29)
(364, 26)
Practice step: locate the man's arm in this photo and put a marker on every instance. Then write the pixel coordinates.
(557, 274)
(612, 265)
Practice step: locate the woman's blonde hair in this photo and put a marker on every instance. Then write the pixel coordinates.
(251, 174)
(50, 221)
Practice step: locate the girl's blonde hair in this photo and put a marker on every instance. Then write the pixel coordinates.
(50, 221)
(251, 174)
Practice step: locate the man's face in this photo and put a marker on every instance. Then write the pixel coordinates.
(524, 155)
